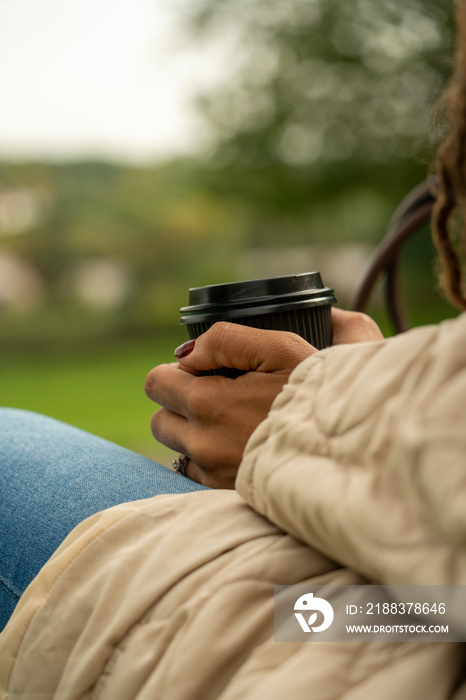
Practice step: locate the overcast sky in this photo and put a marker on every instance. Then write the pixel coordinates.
(96, 78)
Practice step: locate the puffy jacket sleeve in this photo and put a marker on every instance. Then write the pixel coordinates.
(363, 456)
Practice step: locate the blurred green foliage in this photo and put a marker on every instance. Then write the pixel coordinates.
(322, 122)
(327, 113)
(324, 99)
(154, 224)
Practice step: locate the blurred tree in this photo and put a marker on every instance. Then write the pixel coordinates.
(325, 115)
(151, 230)
(322, 96)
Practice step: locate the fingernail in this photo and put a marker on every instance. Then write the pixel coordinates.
(185, 349)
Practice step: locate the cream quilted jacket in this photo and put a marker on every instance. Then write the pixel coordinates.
(358, 474)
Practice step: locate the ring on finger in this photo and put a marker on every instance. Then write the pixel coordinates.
(180, 464)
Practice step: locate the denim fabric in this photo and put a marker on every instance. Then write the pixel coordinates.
(53, 476)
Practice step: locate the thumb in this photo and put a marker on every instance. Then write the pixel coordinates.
(353, 327)
(244, 348)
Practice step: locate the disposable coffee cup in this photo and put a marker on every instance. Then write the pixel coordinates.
(297, 303)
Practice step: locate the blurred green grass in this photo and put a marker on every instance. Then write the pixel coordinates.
(97, 388)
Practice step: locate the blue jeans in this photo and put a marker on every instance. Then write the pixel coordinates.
(53, 476)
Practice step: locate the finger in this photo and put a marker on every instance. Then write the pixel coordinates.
(170, 429)
(211, 479)
(245, 348)
(170, 386)
(174, 431)
(353, 327)
(194, 472)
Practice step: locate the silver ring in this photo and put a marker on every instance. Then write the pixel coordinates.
(180, 464)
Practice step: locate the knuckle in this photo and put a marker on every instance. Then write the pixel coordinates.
(295, 344)
(155, 422)
(292, 348)
(356, 326)
(155, 380)
(367, 324)
(219, 332)
(151, 381)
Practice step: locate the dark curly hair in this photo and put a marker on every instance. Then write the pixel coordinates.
(451, 168)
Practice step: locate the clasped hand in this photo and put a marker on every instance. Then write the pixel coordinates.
(210, 418)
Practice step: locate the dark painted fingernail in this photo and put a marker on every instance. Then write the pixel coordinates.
(185, 349)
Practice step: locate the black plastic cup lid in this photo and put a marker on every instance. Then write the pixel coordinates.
(258, 296)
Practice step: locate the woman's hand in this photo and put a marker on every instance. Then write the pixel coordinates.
(353, 327)
(210, 418)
